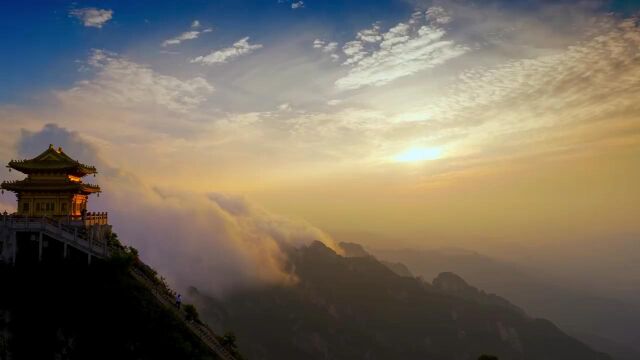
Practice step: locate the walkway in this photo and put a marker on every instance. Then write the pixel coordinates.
(202, 331)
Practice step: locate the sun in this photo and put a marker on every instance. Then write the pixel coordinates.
(419, 154)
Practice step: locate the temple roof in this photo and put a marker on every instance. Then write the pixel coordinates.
(40, 186)
(52, 161)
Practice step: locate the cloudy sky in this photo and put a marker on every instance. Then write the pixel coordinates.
(423, 122)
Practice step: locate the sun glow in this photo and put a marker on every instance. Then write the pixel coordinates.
(419, 154)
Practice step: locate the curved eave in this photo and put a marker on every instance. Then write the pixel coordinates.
(27, 167)
(18, 187)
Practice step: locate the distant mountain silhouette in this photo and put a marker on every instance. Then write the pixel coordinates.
(608, 325)
(398, 268)
(357, 250)
(357, 308)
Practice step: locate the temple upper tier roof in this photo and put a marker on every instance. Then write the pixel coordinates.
(52, 161)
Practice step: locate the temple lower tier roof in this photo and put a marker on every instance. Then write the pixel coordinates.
(67, 187)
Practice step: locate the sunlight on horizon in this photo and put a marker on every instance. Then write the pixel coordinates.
(419, 154)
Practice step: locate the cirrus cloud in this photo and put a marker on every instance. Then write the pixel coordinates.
(409, 47)
(239, 48)
(187, 35)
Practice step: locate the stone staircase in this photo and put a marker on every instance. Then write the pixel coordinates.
(165, 298)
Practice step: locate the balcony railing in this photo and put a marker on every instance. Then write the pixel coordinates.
(90, 218)
(91, 240)
(96, 218)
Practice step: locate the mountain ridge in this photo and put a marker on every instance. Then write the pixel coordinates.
(357, 308)
(599, 321)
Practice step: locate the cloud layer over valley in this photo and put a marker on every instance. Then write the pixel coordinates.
(216, 242)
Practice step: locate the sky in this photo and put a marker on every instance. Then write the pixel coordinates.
(509, 127)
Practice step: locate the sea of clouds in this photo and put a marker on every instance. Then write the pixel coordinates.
(216, 242)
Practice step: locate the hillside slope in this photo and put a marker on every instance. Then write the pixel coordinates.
(87, 312)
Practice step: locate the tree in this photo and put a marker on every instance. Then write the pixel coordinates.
(192, 313)
(229, 340)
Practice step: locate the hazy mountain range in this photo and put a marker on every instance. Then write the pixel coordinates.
(358, 308)
(606, 323)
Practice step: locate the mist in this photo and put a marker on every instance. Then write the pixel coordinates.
(216, 242)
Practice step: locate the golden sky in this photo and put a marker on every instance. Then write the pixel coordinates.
(453, 124)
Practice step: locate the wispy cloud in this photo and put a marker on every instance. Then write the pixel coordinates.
(239, 48)
(297, 5)
(582, 83)
(92, 17)
(122, 82)
(285, 107)
(327, 47)
(187, 35)
(371, 35)
(438, 15)
(409, 47)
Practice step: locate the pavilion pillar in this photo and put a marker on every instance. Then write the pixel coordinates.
(90, 246)
(105, 246)
(40, 247)
(14, 244)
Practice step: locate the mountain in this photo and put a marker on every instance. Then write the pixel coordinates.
(71, 311)
(452, 284)
(357, 308)
(357, 250)
(617, 350)
(398, 268)
(605, 323)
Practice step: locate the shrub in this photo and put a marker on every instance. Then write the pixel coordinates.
(192, 313)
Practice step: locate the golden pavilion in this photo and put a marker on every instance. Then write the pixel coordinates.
(53, 187)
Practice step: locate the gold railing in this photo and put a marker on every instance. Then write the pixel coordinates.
(86, 239)
(96, 218)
